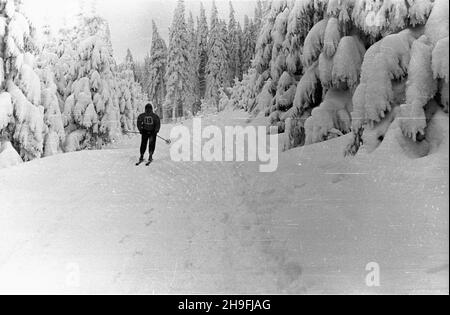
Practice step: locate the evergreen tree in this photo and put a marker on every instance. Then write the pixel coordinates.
(92, 115)
(248, 44)
(217, 66)
(234, 48)
(258, 20)
(21, 113)
(194, 92)
(202, 26)
(129, 94)
(130, 64)
(156, 64)
(316, 81)
(177, 76)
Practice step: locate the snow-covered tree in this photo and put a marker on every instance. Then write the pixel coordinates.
(98, 99)
(193, 97)
(217, 66)
(203, 33)
(54, 133)
(234, 48)
(178, 68)
(268, 48)
(313, 69)
(91, 111)
(157, 64)
(244, 92)
(404, 75)
(129, 93)
(259, 17)
(21, 113)
(248, 44)
(131, 64)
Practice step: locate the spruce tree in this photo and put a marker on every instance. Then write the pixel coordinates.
(21, 113)
(177, 76)
(156, 64)
(234, 48)
(217, 67)
(259, 15)
(129, 94)
(193, 97)
(130, 64)
(248, 44)
(203, 35)
(92, 115)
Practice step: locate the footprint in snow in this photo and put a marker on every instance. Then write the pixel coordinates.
(338, 178)
(123, 240)
(438, 269)
(269, 192)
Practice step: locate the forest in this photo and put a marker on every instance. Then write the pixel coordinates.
(316, 69)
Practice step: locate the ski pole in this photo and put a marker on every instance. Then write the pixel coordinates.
(165, 140)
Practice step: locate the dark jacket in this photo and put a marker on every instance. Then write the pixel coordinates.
(141, 122)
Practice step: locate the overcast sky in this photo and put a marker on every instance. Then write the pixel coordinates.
(130, 20)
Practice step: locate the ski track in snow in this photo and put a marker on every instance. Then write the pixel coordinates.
(198, 228)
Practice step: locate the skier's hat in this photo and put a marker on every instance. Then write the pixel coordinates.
(149, 107)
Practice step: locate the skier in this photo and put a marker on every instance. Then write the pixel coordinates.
(148, 125)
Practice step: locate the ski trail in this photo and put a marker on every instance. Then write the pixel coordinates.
(167, 228)
(212, 228)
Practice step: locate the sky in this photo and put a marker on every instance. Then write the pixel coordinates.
(131, 20)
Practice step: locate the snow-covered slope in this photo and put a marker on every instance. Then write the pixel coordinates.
(94, 219)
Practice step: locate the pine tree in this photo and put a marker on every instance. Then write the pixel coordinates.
(258, 20)
(157, 64)
(202, 25)
(129, 93)
(234, 48)
(194, 92)
(130, 64)
(316, 80)
(248, 44)
(177, 76)
(21, 116)
(54, 133)
(92, 113)
(217, 67)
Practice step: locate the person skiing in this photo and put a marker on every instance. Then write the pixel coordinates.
(148, 125)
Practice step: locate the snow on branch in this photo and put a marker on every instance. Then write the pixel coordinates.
(314, 43)
(421, 88)
(385, 61)
(306, 88)
(332, 37)
(347, 63)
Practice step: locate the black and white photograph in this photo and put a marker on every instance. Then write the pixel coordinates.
(209, 149)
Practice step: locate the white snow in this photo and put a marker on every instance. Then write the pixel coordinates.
(314, 43)
(91, 222)
(438, 23)
(347, 63)
(332, 37)
(8, 157)
(420, 89)
(19, 29)
(440, 60)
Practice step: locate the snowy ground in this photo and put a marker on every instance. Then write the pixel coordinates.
(92, 222)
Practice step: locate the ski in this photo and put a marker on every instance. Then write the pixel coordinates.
(148, 163)
(139, 163)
